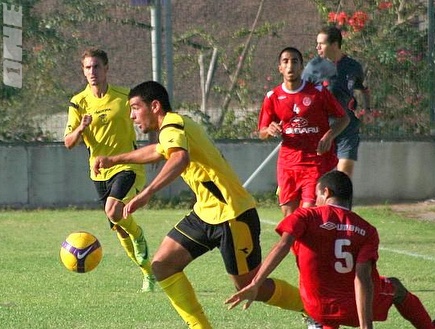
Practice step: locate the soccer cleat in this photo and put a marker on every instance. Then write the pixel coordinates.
(311, 324)
(149, 283)
(140, 248)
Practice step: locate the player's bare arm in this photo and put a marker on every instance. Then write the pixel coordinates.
(364, 294)
(178, 161)
(273, 259)
(143, 155)
(273, 130)
(73, 138)
(336, 128)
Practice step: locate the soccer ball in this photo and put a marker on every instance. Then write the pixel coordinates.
(81, 252)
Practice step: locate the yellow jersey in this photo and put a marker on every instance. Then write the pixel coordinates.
(111, 131)
(219, 193)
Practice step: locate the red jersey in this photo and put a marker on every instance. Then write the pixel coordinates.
(330, 240)
(304, 115)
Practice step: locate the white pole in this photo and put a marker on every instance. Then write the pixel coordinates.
(168, 47)
(262, 165)
(156, 40)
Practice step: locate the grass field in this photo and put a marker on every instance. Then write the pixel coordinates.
(37, 292)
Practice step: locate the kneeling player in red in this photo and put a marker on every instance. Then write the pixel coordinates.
(336, 252)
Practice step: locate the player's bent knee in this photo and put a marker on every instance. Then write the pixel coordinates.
(399, 290)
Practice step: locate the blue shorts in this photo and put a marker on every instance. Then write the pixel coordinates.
(347, 143)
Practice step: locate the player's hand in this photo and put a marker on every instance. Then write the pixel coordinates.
(325, 144)
(275, 129)
(249, 293)
(86, 121)
(137, 202)
(101, 162)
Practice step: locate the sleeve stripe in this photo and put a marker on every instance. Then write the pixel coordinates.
(74, 105)
(173, 125)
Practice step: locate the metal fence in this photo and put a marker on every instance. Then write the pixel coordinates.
(217, 58)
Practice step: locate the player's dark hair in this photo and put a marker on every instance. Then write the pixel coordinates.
(96, 52)
(339, 184)
(333, 33)
(291, 50)
(149, 91)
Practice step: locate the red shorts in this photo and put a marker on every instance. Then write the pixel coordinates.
(382, 302)
(297, 184)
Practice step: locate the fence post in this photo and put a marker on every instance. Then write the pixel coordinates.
(430, 40)
(262, 165)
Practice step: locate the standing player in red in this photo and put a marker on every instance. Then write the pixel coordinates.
(336, 253)
(299, 111)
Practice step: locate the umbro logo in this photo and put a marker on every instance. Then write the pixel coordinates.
(328, 226)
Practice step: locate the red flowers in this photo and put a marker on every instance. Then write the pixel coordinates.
(339, 18)
(357, 21)
(385, 5)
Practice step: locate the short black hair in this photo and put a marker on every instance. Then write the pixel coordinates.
(333, 33)
(339, 184)
(149, 91)
(291, 50)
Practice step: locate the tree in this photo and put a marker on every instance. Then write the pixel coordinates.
(386, 36)
(50, 41)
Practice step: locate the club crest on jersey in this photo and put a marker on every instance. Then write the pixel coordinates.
(306, 101)
(103, 118)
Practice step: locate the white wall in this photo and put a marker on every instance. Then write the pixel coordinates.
(48, 175)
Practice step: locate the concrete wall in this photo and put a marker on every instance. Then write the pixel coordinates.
(48, 175)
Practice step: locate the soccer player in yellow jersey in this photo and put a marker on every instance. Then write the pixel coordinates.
(224, 215)
(100, 117)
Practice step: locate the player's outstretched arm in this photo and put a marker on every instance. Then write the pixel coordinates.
(178, 161)
(143, 155)
(273, 259)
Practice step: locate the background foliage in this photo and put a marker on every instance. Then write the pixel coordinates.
(388, 37)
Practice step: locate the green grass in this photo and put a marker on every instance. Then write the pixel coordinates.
(37, 292)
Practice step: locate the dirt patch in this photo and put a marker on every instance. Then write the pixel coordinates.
(423, 210)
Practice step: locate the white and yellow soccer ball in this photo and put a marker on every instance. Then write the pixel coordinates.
(81, 252)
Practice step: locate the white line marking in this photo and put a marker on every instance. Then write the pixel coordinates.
(407, 253)
(269, 222)
(401, 252)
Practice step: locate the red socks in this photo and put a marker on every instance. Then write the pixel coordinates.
(413, 310)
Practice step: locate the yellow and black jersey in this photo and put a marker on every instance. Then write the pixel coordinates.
(111, 131)
(219, 194)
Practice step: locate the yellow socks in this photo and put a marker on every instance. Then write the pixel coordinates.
(127, 245)
(130, 226)
(182, 296)
(286, 296)
(146, 268)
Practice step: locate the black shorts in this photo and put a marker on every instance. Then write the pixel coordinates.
(116, 187)
(238, 240)
(347, 142)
